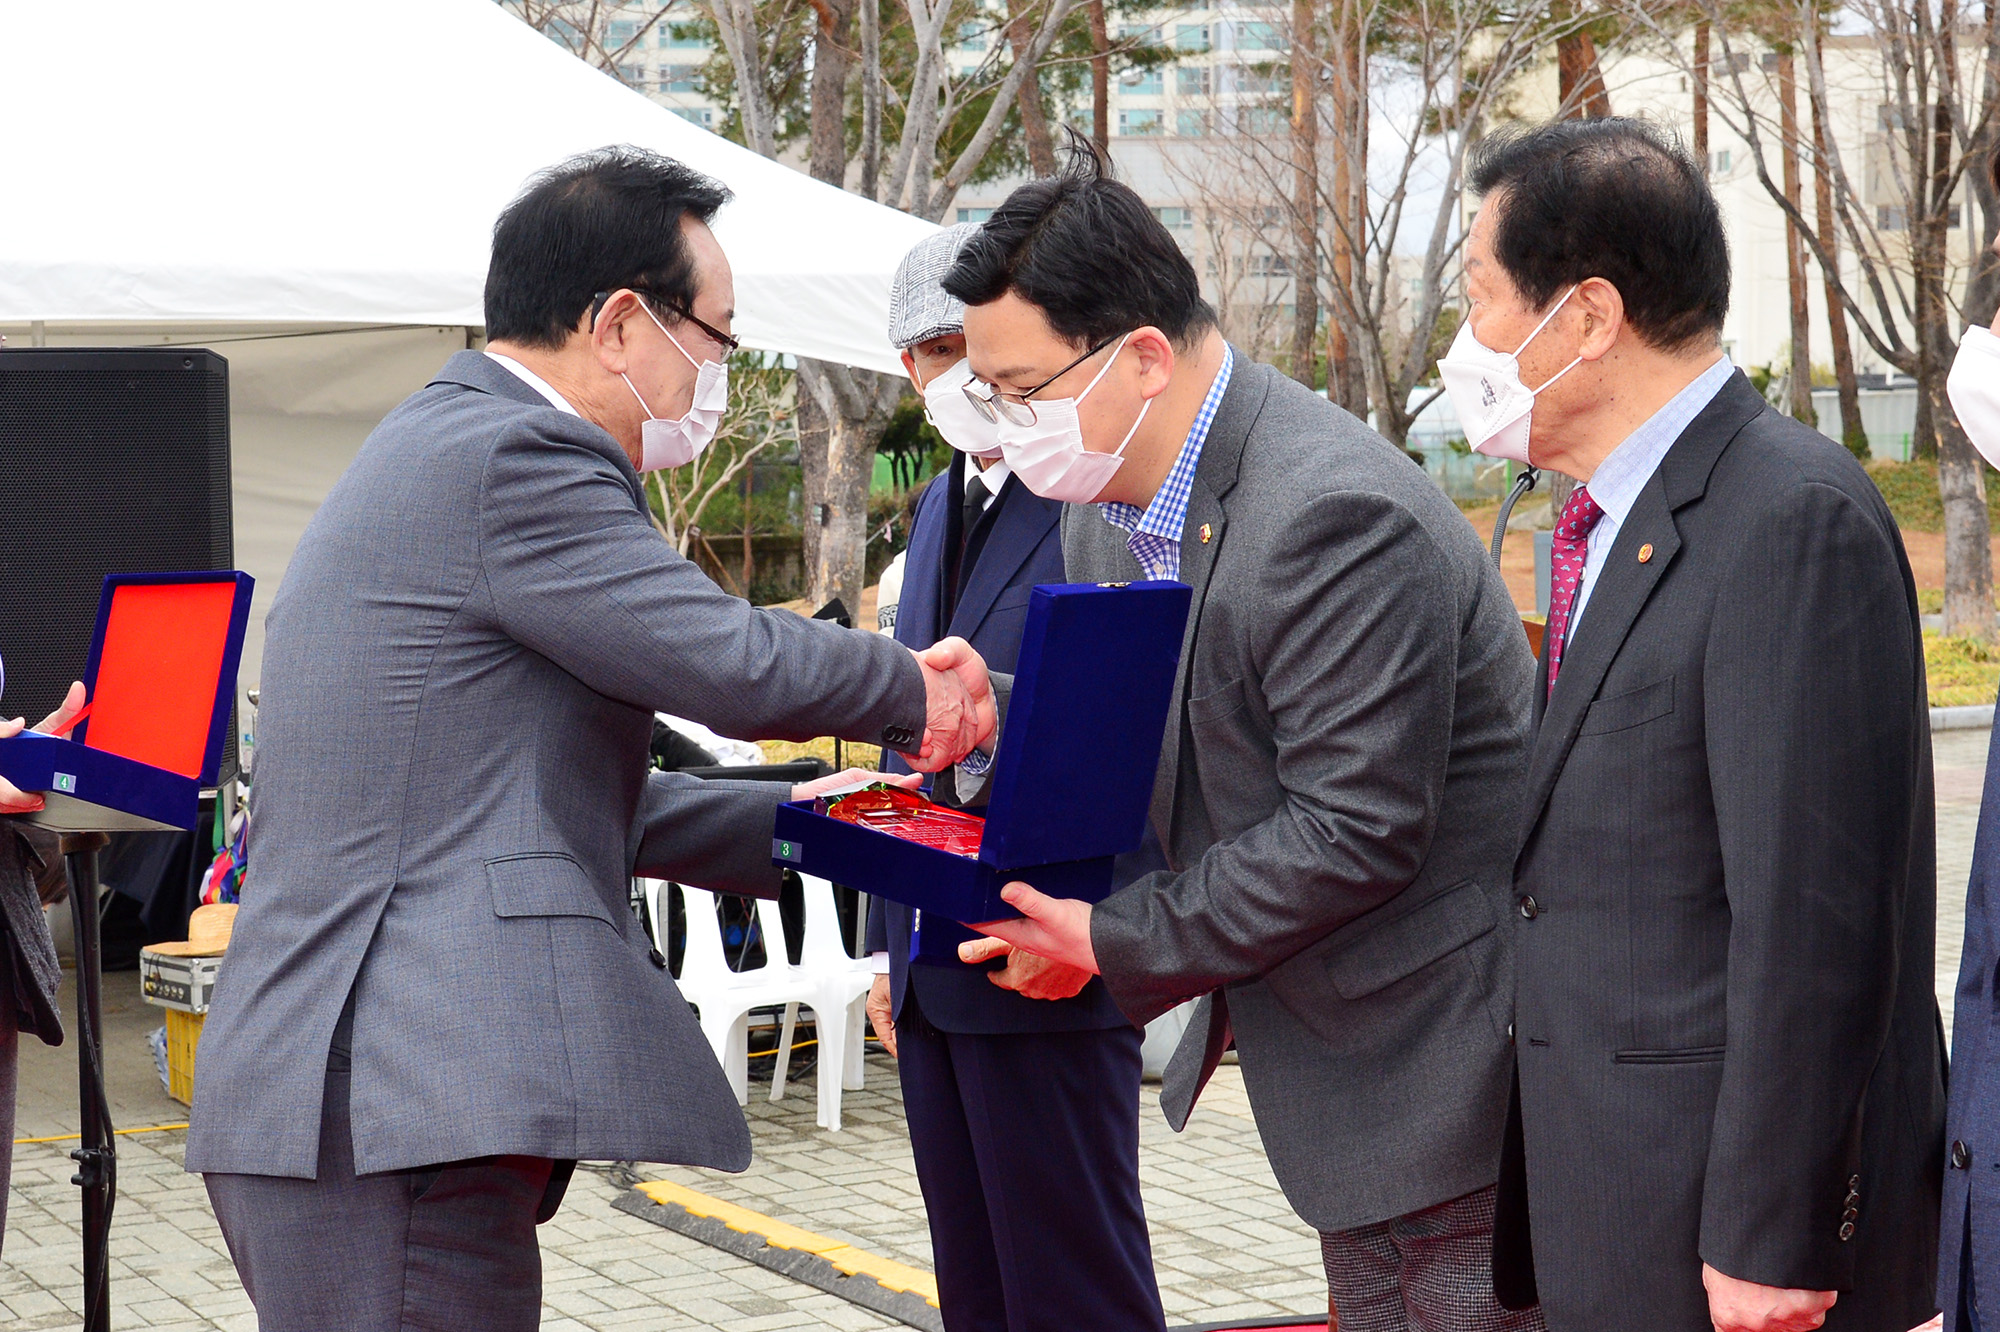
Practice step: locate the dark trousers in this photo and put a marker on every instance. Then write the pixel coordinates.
(447, 1247)
(1027, 1150)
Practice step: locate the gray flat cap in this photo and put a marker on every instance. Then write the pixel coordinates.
(918, 305)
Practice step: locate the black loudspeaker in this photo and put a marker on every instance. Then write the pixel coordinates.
(112, 460)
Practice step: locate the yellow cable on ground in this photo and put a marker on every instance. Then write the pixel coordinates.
(887, 1273)
(70, 1137)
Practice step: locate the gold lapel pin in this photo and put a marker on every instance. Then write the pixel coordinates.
(1645, 552)
(1206, 533)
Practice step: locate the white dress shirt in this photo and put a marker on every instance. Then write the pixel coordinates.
(535, 382)
(1626, 470)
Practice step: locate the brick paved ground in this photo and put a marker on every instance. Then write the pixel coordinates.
(1225, 1243)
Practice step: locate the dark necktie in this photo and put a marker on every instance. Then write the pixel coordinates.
(1568, 547)
(975, 504)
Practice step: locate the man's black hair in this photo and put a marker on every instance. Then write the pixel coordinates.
(1086, 251)
(1614, 199)
(599, 221)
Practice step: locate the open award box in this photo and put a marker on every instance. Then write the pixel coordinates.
(1072, 777)
(161, 678)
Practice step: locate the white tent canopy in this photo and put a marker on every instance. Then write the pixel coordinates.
(310, 188)
(342, 162)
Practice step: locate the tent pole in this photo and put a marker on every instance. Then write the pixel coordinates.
(38, 334)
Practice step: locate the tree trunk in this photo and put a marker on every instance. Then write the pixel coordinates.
(837, 458)
(871, 98)
(1579, 81)
(1968, 550)
(1851, 432)
(1701, 153)
(1795, 248)
(1346, 381)
(1305, 195)
(1028, 99)
(1100, 76)
(828, 90)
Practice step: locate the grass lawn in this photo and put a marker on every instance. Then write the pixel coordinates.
(1961, 671)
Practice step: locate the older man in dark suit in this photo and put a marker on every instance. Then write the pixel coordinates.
(437, 1000)
(1730, 1074)
(1343, 755)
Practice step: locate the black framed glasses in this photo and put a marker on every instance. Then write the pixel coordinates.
(673, 307)
(1015, 408)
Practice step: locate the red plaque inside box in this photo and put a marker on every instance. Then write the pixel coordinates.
(907, 815)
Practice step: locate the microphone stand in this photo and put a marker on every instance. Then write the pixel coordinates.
(97, 1158)
(1523, 483)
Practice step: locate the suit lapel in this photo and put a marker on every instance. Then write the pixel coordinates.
(923, 574)
(1202, 534)
(1021, 522)
(1620, 593)
(1624, 584)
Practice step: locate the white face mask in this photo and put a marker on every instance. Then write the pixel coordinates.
(956, 419)
(1049, 455)
(664, 443)
(1974, 389)
(1486, 391)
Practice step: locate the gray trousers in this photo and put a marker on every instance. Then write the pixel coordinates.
(1430, 1271)
(10, 1054)
(449, 1247)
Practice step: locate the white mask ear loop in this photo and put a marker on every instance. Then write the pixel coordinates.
(697, 364)
(1538, 332)
(1105, 371)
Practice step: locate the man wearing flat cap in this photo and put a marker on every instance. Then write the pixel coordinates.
(1019, 1080)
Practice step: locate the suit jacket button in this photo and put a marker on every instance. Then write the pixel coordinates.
(1854, 1181)
(1961, 1155)
(1846, 1231)
(657, 958)
(897, 736)
(1529, 910)
(1510, 1033)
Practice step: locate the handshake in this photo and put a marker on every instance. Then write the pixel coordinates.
(959, 710)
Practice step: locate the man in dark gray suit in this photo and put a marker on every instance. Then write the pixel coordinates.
(436, 1000)
(1731, 1095)
(1343, 760)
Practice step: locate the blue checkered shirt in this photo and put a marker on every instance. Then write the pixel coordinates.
(1154, 537)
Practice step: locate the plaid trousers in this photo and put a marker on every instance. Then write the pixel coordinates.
(1430, 1271)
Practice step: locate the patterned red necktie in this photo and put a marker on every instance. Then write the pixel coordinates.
(1568, 546)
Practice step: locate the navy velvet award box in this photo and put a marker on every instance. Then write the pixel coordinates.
(1072, 775)
(162, 677)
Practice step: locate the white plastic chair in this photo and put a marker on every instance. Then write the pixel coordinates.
(725, 998)
(841, 984)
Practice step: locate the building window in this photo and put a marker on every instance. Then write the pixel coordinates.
(620, 32)
(681, 37)
(1142, 82)
(1270, 265)
(1719, 162)
(1191, 124)
(1261, 120)
(1191, 37)
(1191, 80)
(679, 78)
(634, 75)
(563, 34)
(1175, 219)
(974, 214)
(1256, 37)
(697, 115)
(1891, 217)
(972, 36)
(1259, 80)
(1139, 122)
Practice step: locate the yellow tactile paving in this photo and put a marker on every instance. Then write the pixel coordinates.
(887, 1273)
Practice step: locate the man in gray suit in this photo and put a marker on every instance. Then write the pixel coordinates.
(436, 1000)
(1343, 757)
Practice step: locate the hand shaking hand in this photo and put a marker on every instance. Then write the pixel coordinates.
(1026, 974)
(1745, 1306)
(958, 704)
(1056, 928)
(13, 800)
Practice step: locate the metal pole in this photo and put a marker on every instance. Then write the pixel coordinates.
(97, 1159)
